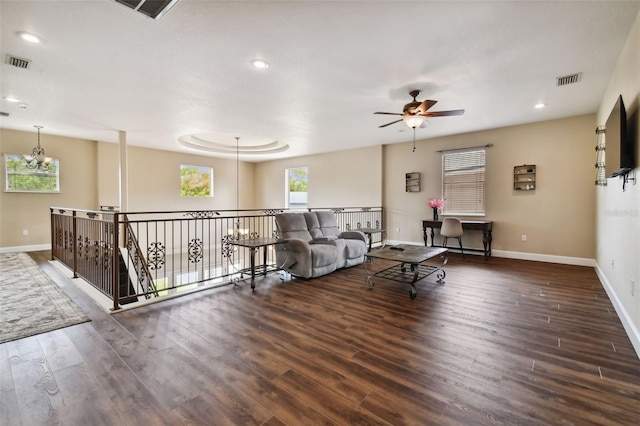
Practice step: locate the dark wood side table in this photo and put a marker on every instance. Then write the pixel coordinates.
(369, 232)
(253, 244)
(472, 225)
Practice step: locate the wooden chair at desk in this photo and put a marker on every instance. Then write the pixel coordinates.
(452, 228)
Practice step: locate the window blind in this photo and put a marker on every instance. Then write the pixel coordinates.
(463, 181)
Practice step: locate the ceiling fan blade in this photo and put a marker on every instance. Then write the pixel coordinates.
(388, 124)
(388, 113)
(443, 113)
(424, 106)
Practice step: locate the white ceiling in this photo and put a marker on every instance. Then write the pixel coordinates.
(102, 68)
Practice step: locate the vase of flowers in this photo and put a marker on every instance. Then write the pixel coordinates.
(436, 204)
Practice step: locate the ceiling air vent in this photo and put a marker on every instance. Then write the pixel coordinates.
(14, 61)
(154, 9)
(4, 114)
(568, 79)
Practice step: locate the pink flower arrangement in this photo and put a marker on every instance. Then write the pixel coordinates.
(436, 203)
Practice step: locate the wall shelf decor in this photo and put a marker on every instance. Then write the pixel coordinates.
(601, 179)
(524, 177)
(412, 182)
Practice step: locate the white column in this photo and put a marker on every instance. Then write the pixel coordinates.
(124, 176)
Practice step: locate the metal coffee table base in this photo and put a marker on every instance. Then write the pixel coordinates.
(410, 272)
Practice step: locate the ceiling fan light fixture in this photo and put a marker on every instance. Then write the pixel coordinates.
(413, 121)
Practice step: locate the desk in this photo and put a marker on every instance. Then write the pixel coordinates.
(473, 225)
(253, 245)
(369, 231)
(410, 255)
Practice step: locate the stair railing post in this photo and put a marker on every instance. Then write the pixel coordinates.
(53, 243)
(116, 262)
(74, 243)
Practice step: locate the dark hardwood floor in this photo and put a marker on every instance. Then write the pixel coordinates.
(501, 342)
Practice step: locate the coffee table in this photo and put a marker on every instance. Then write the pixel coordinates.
(410, 268)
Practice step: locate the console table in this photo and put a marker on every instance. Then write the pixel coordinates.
(472, 225)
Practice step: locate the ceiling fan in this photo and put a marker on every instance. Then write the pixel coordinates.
(415, 112)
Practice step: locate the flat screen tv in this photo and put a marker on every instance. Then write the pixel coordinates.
(619, 152)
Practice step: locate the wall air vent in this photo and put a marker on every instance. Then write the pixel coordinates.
(154, 9)
(568, 79)
(14, 61)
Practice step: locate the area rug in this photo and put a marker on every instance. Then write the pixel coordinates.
(30, 302)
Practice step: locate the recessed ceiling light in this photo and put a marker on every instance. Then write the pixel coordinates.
(259, 63)
(540, 105)
(11, 99)
(31, 38)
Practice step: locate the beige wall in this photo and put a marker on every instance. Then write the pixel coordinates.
(618, 211)
(78, 185)
(558, 217)
(108, 174)
(154, 180)
(351, 178)
(89, 178)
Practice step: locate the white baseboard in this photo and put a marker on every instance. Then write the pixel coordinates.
(18, 249)
(627, 323)
(566, 260)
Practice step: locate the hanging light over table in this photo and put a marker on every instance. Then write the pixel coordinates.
(37, 159)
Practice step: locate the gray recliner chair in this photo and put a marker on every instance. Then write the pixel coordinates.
(351, 245)
(315, 246)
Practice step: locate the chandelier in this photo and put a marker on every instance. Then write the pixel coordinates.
(37, 159)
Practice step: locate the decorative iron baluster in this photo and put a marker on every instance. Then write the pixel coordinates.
(227, 248)
(156, 255)
(195, 250)
(87, 247)
(80, 247)
(97, 248)
(58, 238)
(68, 246)
(107, 250)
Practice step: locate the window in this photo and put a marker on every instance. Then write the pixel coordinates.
(463, 181)
(20, 178)
(296, 192)
(196, 181)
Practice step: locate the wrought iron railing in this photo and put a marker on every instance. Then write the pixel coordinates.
(167, 253)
